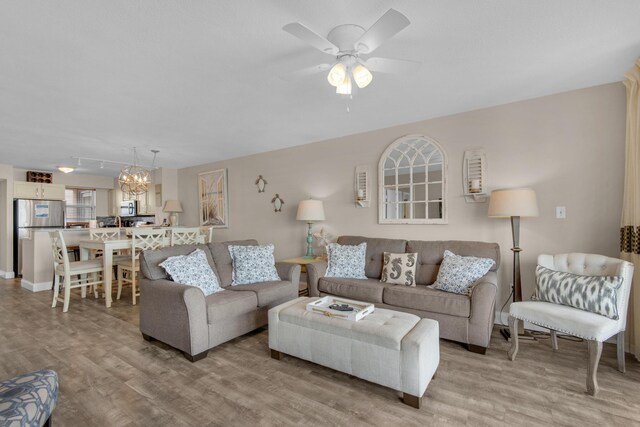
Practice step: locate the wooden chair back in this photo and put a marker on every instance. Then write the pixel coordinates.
(207, 233)
(185, 236)
(59, 248)
(104, 233)
(146, 240)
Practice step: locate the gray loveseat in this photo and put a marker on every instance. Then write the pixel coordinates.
(181, 316)
(464, 318)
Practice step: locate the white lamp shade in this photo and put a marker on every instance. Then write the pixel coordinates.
(344, 88)
(362, 76)
(336, 74)
(310, 211)
(172, 206)
(513, 202)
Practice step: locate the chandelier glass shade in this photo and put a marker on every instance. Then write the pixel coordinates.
(135, 179)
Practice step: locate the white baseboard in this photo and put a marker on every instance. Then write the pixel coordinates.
(6, 274)
(35, 287)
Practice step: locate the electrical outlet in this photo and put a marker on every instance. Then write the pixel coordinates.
(561, 212)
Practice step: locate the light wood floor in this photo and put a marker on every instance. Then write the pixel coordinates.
(109, 376)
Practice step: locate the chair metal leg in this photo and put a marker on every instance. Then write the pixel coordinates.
(595, 351)
(554, 339)
(620, 344)
(513, 327)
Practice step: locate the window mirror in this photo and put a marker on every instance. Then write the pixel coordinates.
(412, 182)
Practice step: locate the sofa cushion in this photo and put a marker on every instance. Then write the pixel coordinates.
(369, 290)
(457, 273)
(375, 250)
(227, 304)
(150, 260)
(271, 293)
(253, 264)
(430, 255)
(428, 299)
(222, 258)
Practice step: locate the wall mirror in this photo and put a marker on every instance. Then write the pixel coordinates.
(412, 182)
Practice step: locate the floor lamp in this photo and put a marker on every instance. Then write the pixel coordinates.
(514, 203)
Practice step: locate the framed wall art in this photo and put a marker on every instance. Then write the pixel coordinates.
(213, 198)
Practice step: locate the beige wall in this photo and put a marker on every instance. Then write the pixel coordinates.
(569, 147)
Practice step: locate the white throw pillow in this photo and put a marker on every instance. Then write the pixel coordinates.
(457, 272)
(192, 270)
(253, 264)
(346, 261)
(399, 268)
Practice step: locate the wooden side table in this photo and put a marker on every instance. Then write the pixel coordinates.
(303, 290)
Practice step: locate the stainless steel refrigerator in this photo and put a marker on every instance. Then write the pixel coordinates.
(31, 215)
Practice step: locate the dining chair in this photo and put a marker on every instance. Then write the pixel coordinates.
(103, 234)
(66, 269)
(591, 327)
(141, 240)
(185, 236)
(207, 233)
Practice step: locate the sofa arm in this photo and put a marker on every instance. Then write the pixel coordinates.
(174, 314)
(289, 272)
(315, 271)
(483, 305)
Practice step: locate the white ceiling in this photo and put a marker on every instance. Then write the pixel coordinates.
(199, 80)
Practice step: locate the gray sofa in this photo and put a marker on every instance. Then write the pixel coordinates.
(181, 316)
(464, 318)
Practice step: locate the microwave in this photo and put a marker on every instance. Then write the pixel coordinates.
(129, 208)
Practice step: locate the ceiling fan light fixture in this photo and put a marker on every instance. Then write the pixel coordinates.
(345, 87)
(337, 74)
(362, 76)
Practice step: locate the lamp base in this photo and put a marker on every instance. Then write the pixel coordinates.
(173, 219)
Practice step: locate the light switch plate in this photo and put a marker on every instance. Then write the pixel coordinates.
(561, 212)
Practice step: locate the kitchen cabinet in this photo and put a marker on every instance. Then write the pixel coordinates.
(146, 201)
(38, 191)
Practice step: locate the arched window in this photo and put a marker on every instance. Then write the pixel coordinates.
(412, 182)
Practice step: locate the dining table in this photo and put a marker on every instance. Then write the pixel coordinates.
(108, 247)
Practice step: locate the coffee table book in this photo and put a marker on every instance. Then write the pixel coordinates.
(360, 309)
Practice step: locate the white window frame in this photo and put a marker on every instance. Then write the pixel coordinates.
(381, 186)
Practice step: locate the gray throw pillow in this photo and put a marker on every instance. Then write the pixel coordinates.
(457, 273)
(346, 261)
(253, 264)
(597, 294)
(399, 268)
(192, 270)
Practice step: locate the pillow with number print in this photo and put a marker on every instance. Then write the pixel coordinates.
(252, 264)
(346, 261)
(399, 268)
(457, 273)
(192, 270)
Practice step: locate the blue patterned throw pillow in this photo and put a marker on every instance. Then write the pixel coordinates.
(253, 264)
(192, 270)
(346, 261)
(457, 273)
(597, 294)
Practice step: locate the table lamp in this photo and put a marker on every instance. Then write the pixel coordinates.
(173, 207)
(310, 211)
(514, 203)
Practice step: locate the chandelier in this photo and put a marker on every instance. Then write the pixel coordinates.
(135, 179)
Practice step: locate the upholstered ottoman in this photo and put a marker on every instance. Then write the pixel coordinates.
(390, 348)
(29, 399)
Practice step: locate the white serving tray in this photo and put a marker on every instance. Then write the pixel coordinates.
(321, 306)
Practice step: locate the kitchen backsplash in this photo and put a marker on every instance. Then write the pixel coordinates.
(110, 221)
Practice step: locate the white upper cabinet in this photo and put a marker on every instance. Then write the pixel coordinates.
(38, 191)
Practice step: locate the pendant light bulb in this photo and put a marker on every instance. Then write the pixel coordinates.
(345, 87)
(362, 76)
(337, 74)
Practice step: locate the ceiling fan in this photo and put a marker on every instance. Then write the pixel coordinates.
(349, 43)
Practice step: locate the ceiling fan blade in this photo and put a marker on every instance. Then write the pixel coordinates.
(308, 36)
(392, 66)
(390, 24)
(303, 72)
